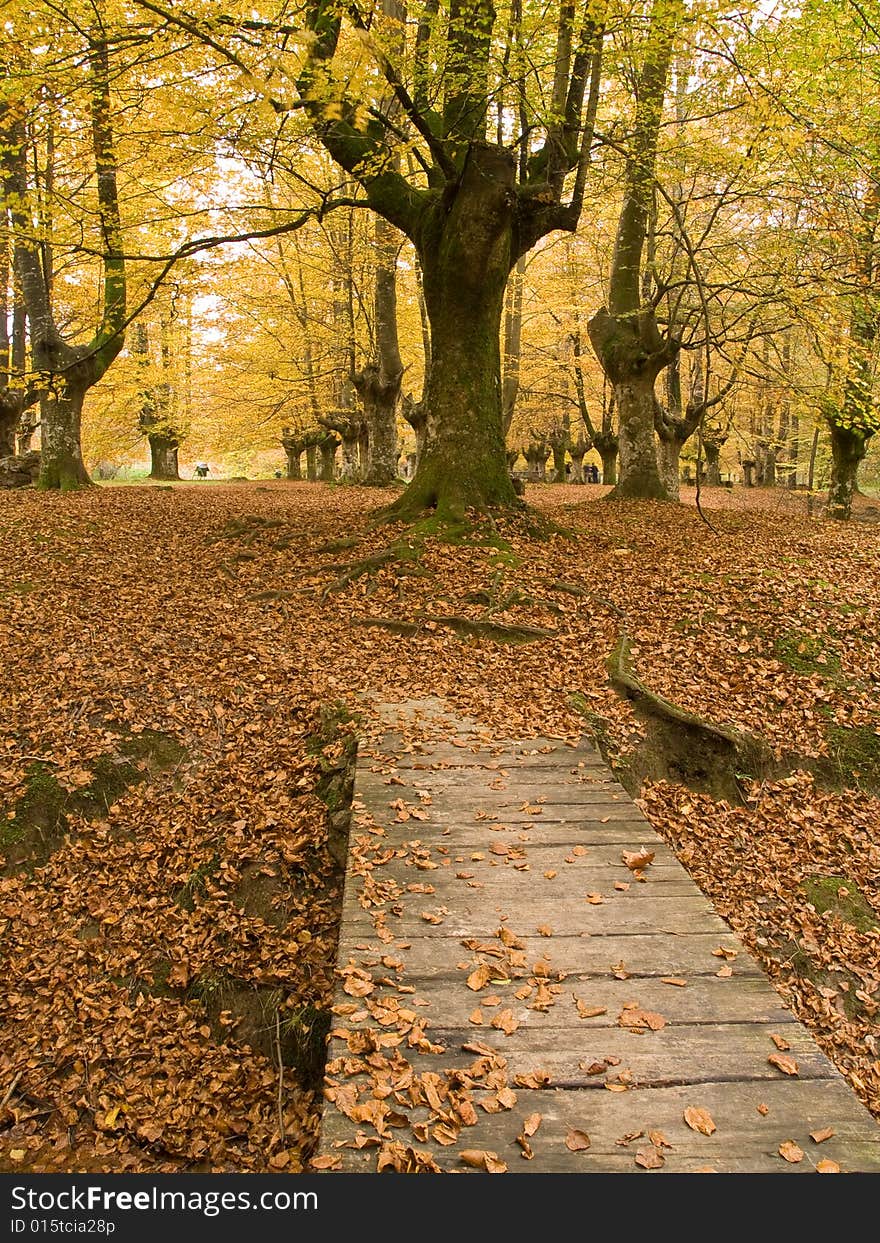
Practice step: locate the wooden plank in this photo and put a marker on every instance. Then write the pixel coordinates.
(744, 1141)
(703, 1000)
(643, 955)
(478, 916)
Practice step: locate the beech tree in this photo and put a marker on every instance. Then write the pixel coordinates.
(65, 371)
(469, 206)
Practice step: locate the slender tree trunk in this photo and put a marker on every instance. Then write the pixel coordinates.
(61, 462)
(163, 457)
(512, 342)
(811, 469)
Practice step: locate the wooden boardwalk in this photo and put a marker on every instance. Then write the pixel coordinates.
(511, 990)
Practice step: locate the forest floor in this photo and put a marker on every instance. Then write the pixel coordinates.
(178, 672)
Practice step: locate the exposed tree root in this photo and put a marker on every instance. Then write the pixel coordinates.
(683, 748)
(484, 629)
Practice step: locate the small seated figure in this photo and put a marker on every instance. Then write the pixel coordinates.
(201, 471)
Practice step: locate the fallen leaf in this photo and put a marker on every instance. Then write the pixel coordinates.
(505, 1022)
(763, 1109)
(649, 1158)
(532, 1079)
(325, 1163)
(479, 977)
(782, 1062)
(790, 1152)
(480, 1159)
(531, 1124)
(699, 1120)
(827, 1166)
(641, 1020)
(635, 860)
(577, 1141)
(674, 980)
(780, 1042)
(589, 1012)
(819, 1137)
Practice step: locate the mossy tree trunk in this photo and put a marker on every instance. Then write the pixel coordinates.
(466, 256)
(312, 462)
(625, 334)
(857, 420)
(712, 453)
(848, 448)
(414, 413)
(607, 448)
(327, 448)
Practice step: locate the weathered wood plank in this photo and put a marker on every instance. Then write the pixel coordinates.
(745, 1141)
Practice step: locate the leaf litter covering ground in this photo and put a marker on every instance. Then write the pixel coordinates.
(204, 614)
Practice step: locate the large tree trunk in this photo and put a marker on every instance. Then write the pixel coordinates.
(163, 457)
(350, 469)
(607, 445)
(328, 449)
(414, 413)
(379, 399)
(668, 463)
(312, 463)
(466, 253)
(61, 462)
(294, 462)
(578, 450)
(639, 472)
(848, 448)
(10, 407)
(713, 465)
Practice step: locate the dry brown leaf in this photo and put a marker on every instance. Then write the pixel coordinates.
(827, 1166)
(577, 1141)
(783, 1062)
(481, 1159)
(790, 1152)
(531, 1124)
(780, 1042)
(819, 1137)
(479, 977)
(699, 1120)
(649, 1158)
(636, 860)
(675, 980)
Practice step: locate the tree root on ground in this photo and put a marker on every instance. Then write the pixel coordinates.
(484, 629)
(683, 748)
